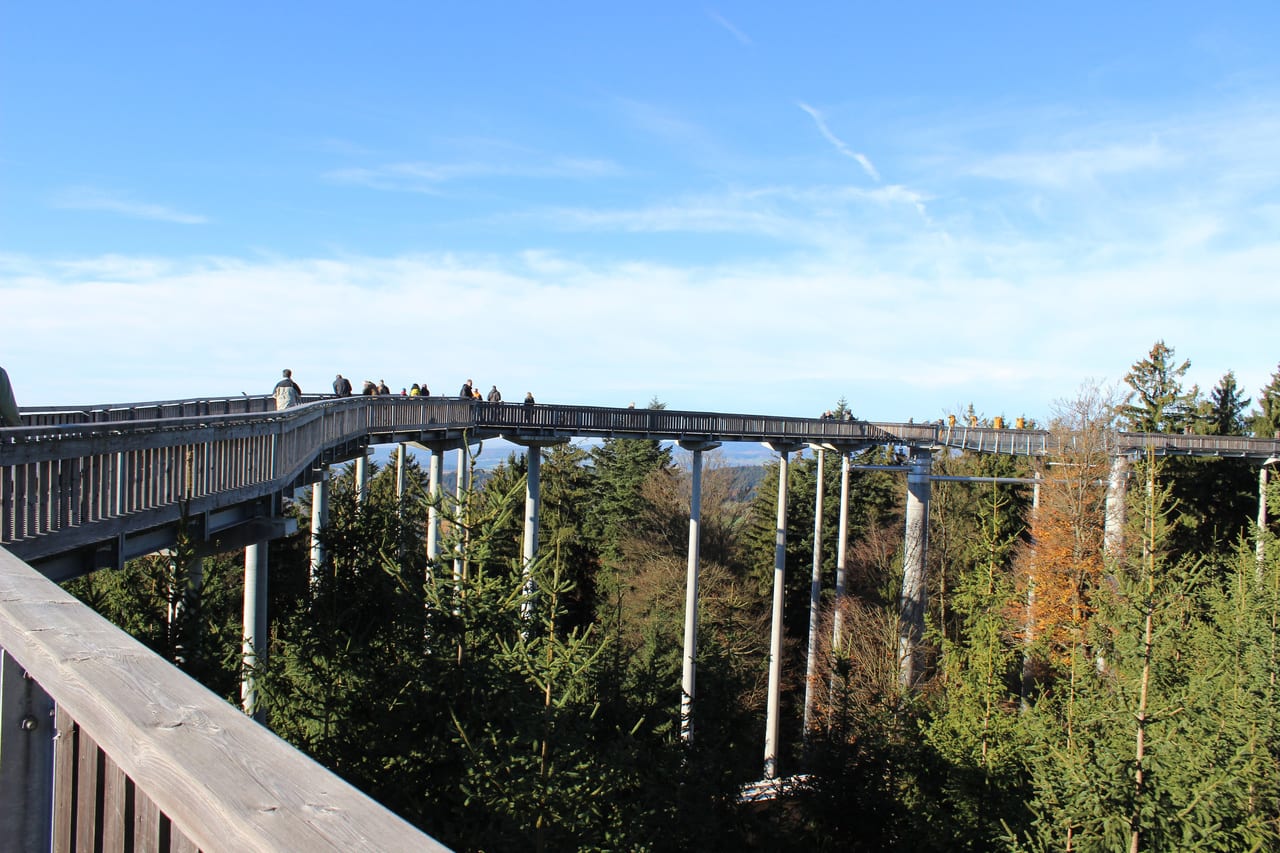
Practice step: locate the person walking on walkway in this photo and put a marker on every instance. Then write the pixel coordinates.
(495, 396)
(466, 392)
(8, 405)
(342, 386)
(287, 392)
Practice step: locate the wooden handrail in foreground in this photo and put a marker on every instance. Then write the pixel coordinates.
(145, 758)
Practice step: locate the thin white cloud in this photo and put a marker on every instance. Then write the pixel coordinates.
(738, 34)
(838, 143)
(431, 178)
(1067, 168)
(92, 199)
(1011, 330)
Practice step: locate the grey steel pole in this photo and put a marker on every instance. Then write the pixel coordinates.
(915, 581)
(254, 645)
(775, 634)
(319, 521)
(532, 506)
(815, 597)
(837, 619)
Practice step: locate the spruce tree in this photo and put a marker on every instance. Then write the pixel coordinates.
(1157, 401)
(1266, 419)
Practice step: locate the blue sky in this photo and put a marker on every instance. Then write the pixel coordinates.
(746, 207)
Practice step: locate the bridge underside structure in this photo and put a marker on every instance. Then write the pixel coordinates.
(83, 488)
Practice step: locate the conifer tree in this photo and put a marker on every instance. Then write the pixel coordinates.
(1266, 419)
(1157, 402)
(974, 725)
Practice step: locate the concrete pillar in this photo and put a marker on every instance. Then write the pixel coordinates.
(838, 617)
(1117, 489)
(26, 759)
(689, 674)
(532, 508)
(815, 596)
(915, 579)
(254, 646)
(775, 634)
(362, 478)
(319, 521)
(434, 490)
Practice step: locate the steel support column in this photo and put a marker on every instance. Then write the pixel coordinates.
(689, 675)
(1261, 546)
(461, 484)
(775, 633)
(815, 595)
(1117, 492)
(319, 521)
(254, 646)
(532, 510)
(915, 579)
(401, 449)
(837, 619)
(434, 473)
(362, 478)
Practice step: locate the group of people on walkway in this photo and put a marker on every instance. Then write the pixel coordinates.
(469, 391)
(287, 393)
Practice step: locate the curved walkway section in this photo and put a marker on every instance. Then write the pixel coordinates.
(94, 486)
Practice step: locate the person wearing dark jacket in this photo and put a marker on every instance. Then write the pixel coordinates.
(495, 396)
(8, 405)
(466, 391)
(342, 386)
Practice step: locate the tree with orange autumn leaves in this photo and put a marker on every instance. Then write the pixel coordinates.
(1063, 561)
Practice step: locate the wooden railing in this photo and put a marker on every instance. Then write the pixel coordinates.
(106, 746)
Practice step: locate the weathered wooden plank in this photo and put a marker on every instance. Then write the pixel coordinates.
(88, 828)
(117, 816)
(146, 824)
(224, 781)
(64, 780)
(26, 759)
(179, 843)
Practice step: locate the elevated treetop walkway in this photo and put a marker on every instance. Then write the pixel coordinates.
(92, 486)
(128, 753)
